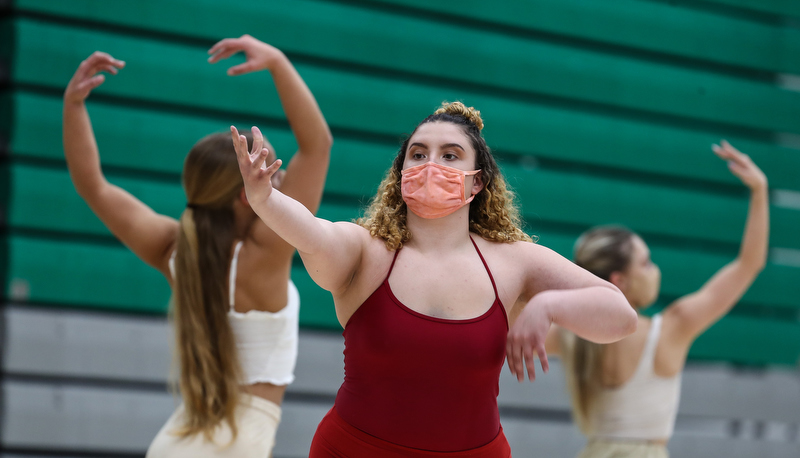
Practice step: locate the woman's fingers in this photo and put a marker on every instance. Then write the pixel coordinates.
(258, 140)
(241, 153)
(108, 68)
(274, 167)
(100, 60)
(732, 155)
(255, 161)
(246, 67)
(223, 49)
(542, 352)
(91, 83)
(260, 159)
(515, 359)
(510, 356)
(730, 147)
(741, 165)
(97, 62)
(223, 54)
(529, 362)
(737, 169)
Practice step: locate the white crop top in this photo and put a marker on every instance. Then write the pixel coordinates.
(266, 342)
(645, 406)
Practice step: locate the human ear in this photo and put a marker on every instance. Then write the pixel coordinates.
(619, 280)
(477, 183)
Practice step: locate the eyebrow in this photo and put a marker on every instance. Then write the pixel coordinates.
(446, 145)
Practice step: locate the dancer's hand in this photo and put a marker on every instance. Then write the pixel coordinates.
(259, 55)
(741, 165)
(256, 174)
(86, 78)
(529, 334)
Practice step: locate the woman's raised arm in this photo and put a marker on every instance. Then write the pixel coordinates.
(330, 251)
(690, 315)
(305, 174)
(148, 234)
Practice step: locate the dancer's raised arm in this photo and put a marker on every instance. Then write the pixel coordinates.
(305, 174)
(692, 314)
(330, 251)
(149, 235)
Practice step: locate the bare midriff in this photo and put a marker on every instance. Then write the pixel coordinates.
(268, 391)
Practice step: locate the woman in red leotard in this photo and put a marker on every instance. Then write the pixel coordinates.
(424, 285)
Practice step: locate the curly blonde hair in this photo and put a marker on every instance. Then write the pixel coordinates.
(492, 213)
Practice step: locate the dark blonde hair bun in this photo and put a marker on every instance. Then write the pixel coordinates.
(459, 109)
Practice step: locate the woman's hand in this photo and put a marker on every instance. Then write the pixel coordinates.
(259, 55)
(528, 334)
(255, 173)
(741, 165)
(86, 78)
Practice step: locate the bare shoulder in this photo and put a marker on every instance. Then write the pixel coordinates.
(528, 257)
(513, 252)
(541, 268)
(676, 328)
(356, 231)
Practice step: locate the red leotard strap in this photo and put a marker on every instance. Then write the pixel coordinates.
(391, 267)
(485, 266)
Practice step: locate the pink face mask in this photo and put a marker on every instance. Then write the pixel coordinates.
(432, 190)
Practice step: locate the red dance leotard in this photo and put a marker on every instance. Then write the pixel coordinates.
(419, 381)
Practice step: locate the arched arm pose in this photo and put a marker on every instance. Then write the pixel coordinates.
(220, 378)
(615, 386)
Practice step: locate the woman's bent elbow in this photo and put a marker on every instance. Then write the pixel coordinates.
(629, 322)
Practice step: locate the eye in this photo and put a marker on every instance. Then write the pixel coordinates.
(417, 156)
(450, 156)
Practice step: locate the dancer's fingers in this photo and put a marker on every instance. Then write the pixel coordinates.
(241, 153)
(259, 159)
(727, 145)
(258, 140)
(91, 83)
(726, 151)
(274, 167)
(223, 54)
(221, 46)
(97, 62)
(542, 352)
(510, 356)
(515, 360)
(246, 67)
(529, 362)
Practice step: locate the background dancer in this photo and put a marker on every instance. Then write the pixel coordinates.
(625, 394)
(235, 308)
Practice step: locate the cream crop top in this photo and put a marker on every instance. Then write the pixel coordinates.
(644, 407)
(266, 342)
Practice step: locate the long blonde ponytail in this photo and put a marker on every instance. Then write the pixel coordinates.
(602, 251)
(210, 373)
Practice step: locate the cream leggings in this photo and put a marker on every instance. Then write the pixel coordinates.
(256, 419)
(609, 448)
